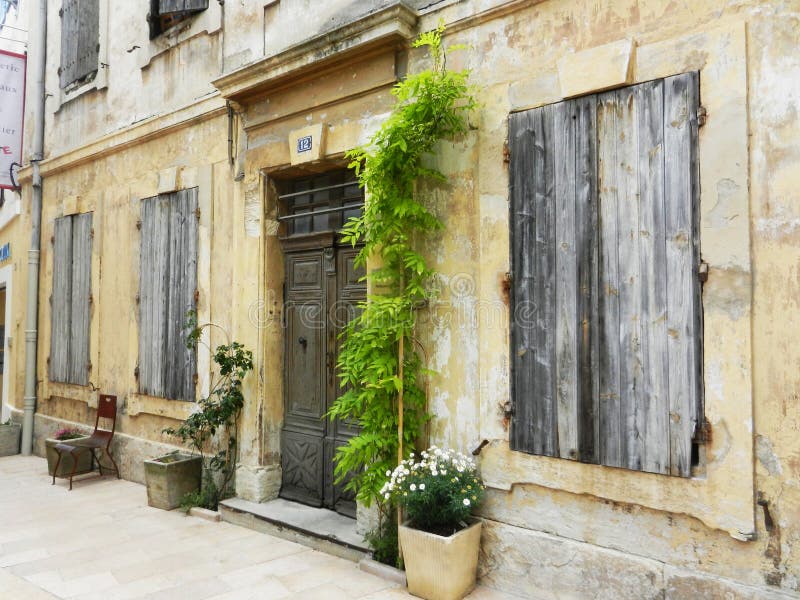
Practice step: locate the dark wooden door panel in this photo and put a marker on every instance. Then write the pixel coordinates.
(323, 289)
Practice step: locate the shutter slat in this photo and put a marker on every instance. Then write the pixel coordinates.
(521, 139)
(586, 250)
(566, 279)
(191, 241)
(543, 255)
(167, 7)
(609, 316)
(81, 290)
(652, 262)
(681, 99)
(174, 359)
(630, 297)
(146, 265)
(61, 307)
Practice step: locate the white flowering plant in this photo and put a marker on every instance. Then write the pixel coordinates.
(437, 490)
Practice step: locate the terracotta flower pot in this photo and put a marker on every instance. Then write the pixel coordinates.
(65, 467)
(169, 478)
(440, 568)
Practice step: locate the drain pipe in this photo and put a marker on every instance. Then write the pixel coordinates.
(32, 300)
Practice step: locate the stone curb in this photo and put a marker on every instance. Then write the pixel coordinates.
(373, 567)
(204, 513)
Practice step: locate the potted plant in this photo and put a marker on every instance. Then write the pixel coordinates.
(439, 540)
(9, 438)
(65, 467)
(210, 431)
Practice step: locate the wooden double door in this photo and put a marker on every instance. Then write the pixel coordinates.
(322, 293)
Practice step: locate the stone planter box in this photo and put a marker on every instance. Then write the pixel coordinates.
(441, 568)
(9, 439)
(65, 468)
(169, 478)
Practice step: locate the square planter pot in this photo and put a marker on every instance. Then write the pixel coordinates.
(65, 467)
(169, 478)
(9, 439)
(441, 568)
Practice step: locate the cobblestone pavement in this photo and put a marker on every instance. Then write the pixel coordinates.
(102, 542)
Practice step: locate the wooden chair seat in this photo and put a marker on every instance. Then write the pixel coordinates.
(99, 440)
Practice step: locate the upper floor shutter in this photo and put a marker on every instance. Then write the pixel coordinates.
(80, 40)
(606, 325)
(166, 7)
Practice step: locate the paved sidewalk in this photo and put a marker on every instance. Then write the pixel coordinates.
(102, 542)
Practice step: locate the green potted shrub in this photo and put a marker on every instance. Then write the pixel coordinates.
(65, 467)
(176, 479)
(439, 540)
(9, 438)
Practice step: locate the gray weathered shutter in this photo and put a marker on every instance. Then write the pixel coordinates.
(180, 361)
(606, 325)
(69, 42)
(80, 302)
(167, 292)
(166, 7)
(554, 256)
(154, 271)
(61, 307)
(88, 38)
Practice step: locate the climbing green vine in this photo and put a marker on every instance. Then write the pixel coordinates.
(378, 364)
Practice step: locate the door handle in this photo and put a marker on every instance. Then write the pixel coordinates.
(303, 342)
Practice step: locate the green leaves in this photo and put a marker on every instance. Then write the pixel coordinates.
(431, 106)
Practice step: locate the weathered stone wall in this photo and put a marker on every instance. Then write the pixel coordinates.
(561, 528)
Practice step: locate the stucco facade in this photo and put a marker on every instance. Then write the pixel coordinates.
(201, 108)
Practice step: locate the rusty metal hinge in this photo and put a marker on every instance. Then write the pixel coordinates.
(89, 366)
(91, 233)
(136, 372)
(702, 116)
(61, 12)
(137, 298)
(506, 153)
(197, 213)
(52, 240)
(195, 379)
(702, 271)
(139, 224)
(702, 432)
(196, 296)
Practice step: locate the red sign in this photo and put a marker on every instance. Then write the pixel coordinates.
(12, 113)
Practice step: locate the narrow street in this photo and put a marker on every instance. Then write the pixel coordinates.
(102, 542)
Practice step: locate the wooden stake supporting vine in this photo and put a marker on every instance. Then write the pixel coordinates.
(381, 373)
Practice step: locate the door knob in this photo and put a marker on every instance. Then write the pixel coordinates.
(303, 342)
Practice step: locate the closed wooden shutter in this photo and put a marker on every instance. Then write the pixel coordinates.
(60, 300)
(606, 325)
(80, 39)
(69, 42)
(81, 298)
(166, 7)
(168, 279)
(71, 299)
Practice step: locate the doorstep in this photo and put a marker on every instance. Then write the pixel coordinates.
(318, 528)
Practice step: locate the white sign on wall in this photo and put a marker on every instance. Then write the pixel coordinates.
(12, 110)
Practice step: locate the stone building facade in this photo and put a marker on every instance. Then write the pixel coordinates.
(235, 103)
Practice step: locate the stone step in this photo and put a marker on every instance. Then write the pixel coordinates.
(317, 528)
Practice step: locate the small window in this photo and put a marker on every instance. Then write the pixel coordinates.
(319, 203)
(80, 42)
(165, 14)
(167, 292)
(606, 300)
(70, 302)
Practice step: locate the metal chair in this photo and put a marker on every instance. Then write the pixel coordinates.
(99, 440)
